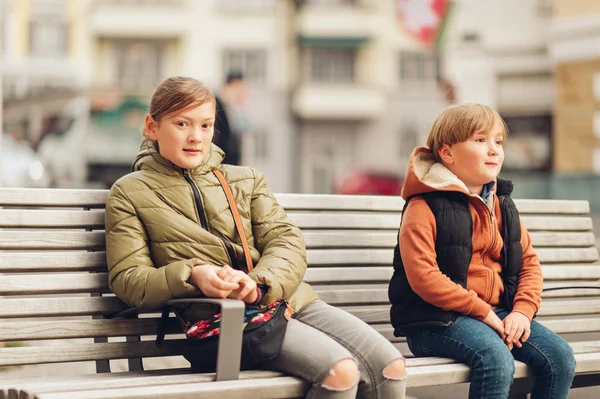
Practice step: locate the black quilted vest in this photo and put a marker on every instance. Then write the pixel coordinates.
(454, 249)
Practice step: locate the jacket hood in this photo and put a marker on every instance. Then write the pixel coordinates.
(425, 175)
(149, 158)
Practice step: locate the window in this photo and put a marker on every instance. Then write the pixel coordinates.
(238, 6)
(419, 66)
(139, 63)
(48, 28)
(251, 63)
(331, 65)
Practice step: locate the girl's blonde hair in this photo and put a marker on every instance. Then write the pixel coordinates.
(175, 94)
(457, 123)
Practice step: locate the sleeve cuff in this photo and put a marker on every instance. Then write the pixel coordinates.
(480, 309)
(526, 308)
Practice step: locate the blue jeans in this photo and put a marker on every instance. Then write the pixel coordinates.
(470, 341)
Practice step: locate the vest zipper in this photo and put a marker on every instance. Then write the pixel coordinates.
(203, 221)
(492, 220)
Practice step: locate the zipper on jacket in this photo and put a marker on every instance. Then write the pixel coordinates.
(493, 240)
(203, 221)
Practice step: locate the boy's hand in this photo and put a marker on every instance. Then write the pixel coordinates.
(207, 280)
(495, 323)
(518, 328)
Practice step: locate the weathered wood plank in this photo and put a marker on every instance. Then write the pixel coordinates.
(322, 239)
(550, 307)
(124, 380)
(75, 352)
(265, 388)
(566, 223)
(82, 198)
(318, 257)
(62, 306)
(54, 283)
(375, 273)
(97, 198)
(391, 221)
(41, 329)
(44, 239)
(52, 218)
(55, 261)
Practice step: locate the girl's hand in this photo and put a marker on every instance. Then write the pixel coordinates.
(518, 328)
(247, 287)
(207, 280)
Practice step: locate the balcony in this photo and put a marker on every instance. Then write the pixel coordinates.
(137, 18)
(348, 102)
(339, 19)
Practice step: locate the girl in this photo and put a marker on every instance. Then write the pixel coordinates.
(170, 234)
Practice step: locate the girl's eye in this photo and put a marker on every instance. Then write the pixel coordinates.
(207, 125)
(182, 124)
(500, 142)
(480, 139)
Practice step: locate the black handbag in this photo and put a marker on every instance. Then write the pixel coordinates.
(263, 329)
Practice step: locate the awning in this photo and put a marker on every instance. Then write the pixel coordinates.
(332, 42)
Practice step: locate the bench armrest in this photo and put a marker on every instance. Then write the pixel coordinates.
(230, 338)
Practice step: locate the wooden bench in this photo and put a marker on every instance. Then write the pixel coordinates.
(53, 286)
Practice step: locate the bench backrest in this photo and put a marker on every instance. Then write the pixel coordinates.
(53, 280)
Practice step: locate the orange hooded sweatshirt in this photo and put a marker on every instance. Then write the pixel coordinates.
(484, 283)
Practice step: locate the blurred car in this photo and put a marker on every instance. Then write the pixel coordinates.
(21, 166)
(371, 183)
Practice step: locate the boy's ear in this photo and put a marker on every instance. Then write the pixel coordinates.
(151, 127)
(445, 154)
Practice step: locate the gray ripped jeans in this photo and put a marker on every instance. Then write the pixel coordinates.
(320, 335)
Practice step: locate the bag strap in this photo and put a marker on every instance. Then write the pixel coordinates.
(236, 217)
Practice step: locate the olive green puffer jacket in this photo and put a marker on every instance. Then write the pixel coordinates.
(162, 220)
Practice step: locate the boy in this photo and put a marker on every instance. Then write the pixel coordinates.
(467, 282)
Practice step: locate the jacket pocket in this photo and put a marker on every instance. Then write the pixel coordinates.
(481, 281)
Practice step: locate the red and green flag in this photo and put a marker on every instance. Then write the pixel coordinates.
(424, 20)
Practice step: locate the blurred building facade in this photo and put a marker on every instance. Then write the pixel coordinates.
(574, 45)
(364, 93)
(44, 73)
(496, 53)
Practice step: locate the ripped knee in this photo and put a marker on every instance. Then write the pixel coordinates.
(343, 375)
(396, 370)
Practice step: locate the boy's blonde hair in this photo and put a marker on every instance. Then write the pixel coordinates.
(175, 94)
(457, 123)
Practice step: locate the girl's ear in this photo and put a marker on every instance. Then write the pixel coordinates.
(151, 127)
(445, 154)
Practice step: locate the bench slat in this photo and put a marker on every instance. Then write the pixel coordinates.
(388, 239)
(126, 380)
(87, 351)
(318, 257)
(560, 326)
(11, 330)
(550, 307)
(27, 218)
(14, 284)
(52, 261)
(322, 275)
(82, 198)
(97, 198)
(366, 292)
(264, 388)
(391, 221)
(43, 239)
(62, 306)
(95, 240)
